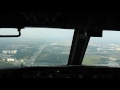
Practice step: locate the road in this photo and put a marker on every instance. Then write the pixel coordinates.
(31, 61)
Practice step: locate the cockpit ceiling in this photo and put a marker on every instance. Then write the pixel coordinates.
(70, 20)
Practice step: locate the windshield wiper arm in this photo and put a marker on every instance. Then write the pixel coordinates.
(19, 31)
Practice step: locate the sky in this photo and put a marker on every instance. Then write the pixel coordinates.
(58, 33)
(108, 35)
(40, 33)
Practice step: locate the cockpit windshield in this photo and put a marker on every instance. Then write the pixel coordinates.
(104, 51)
(36, 47)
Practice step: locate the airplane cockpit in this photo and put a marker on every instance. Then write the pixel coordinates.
(60, 45)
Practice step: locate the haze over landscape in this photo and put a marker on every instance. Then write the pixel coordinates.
(35, 47)
(104, 51)
(40, 33)
(50, 47)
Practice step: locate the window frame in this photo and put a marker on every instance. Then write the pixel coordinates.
(78, 48)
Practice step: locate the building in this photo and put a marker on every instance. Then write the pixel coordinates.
(9, 51)
(10, 59)
(4, 51)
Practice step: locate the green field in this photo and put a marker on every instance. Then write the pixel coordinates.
(3, 64)
(53, 54)
(91, 59)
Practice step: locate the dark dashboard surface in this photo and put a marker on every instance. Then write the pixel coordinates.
(61, 72)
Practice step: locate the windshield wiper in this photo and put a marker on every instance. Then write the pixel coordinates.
(19, 31)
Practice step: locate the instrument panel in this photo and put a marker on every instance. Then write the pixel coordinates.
(61, 72)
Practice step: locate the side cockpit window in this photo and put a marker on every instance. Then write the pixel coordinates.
(104, 51)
